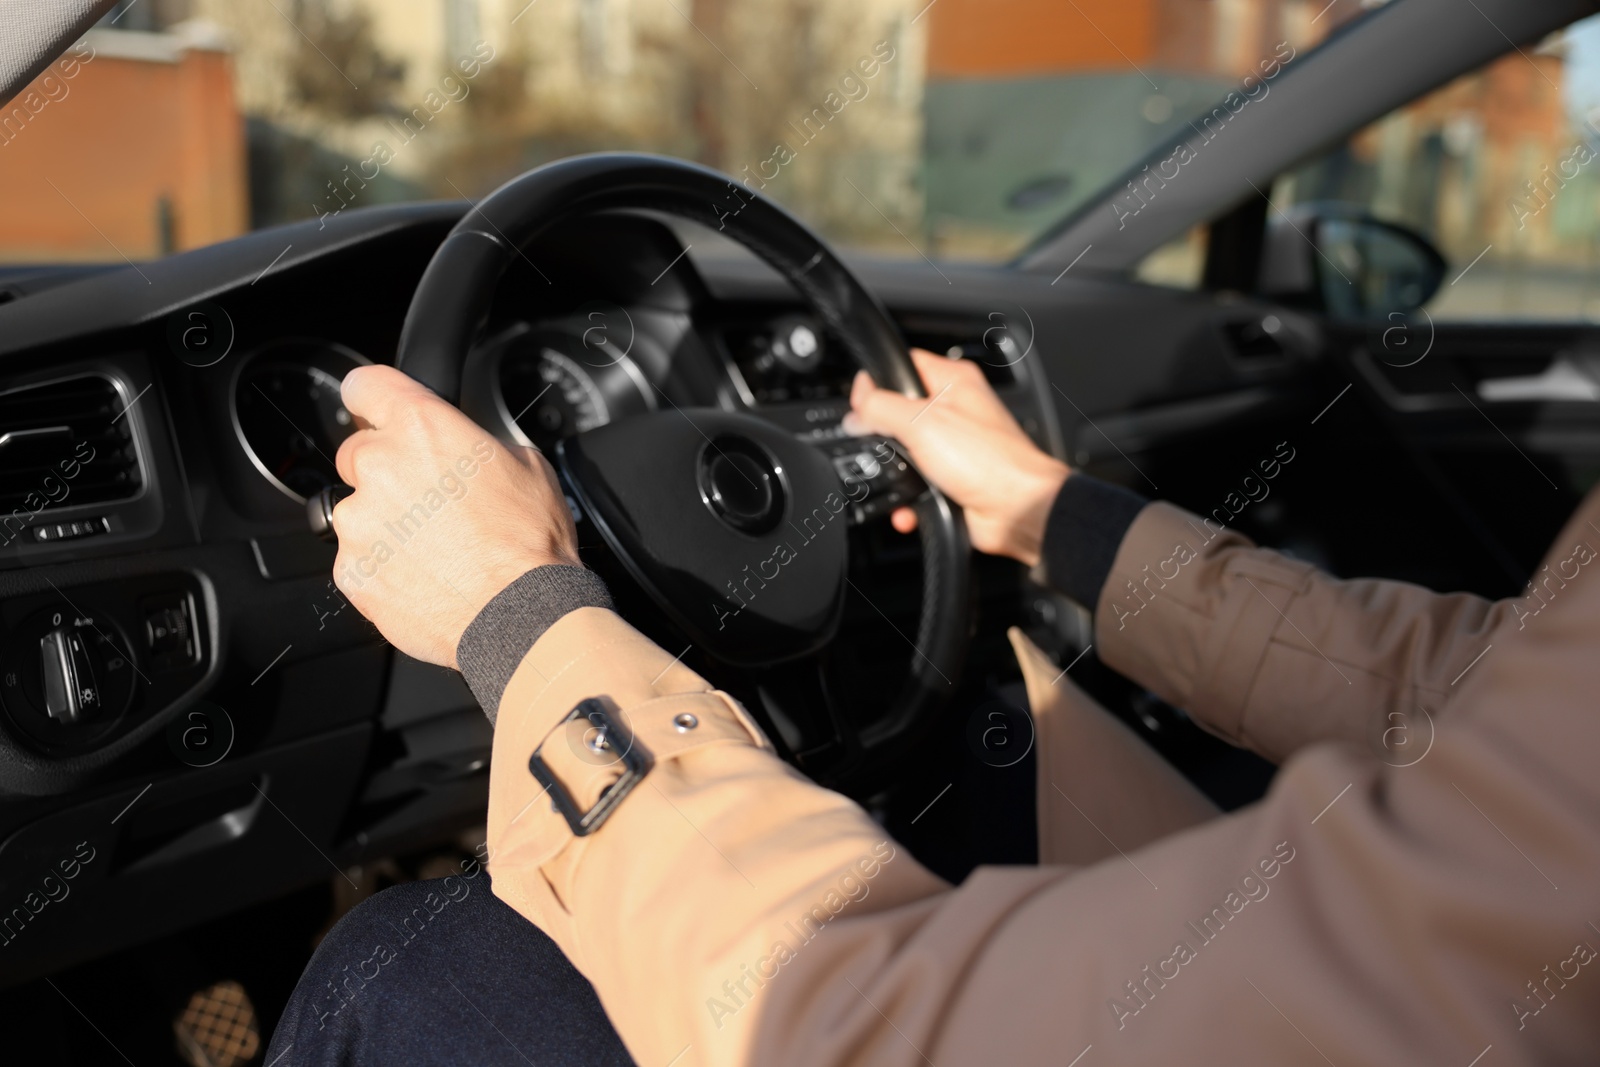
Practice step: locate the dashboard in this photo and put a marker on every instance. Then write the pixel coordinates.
(181, 683)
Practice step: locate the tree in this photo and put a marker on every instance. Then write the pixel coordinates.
(340, 72)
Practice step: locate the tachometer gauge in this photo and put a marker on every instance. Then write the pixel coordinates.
(554, 384)
(289, 415)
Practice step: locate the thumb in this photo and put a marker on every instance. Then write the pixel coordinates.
(881, 411)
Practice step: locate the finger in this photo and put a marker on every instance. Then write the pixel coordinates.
(375, 393)
(344, 460)
(336, 519)
(904, 520)
(940, 372)
(881, 410)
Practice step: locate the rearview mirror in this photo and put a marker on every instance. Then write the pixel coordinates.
(1339, 260)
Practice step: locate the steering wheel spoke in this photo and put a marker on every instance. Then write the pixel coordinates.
(802, 716)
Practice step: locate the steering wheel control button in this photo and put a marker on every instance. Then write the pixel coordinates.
(859, 466)
(685, 722)
(890, 481)
(70, 689)
(741, 485)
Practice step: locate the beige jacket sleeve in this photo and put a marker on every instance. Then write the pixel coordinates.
(731, 912)
(1272, 654)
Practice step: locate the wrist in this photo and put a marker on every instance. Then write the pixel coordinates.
(495, 640)
(1040, 483)
(474, 591)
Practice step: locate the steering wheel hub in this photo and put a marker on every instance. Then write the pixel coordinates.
(757, 575)
(741, 485)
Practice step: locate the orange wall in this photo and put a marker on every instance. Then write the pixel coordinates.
(1022, 38)
(117, 137)
(985, 38)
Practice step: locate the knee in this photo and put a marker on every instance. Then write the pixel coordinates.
(381, 927)
(365, 943)
(404, 911)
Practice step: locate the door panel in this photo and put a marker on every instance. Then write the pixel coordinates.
(1494, 411)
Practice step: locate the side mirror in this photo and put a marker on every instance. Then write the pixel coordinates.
(1337, 259)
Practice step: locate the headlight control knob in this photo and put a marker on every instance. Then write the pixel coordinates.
(67, 670)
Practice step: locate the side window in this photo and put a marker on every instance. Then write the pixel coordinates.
(1178, 264)
(1500, 169)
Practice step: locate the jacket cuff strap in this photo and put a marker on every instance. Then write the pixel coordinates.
(1087, 523)
(494, 643)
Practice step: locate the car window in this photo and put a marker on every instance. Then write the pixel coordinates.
(1499, 169)
(946, 129)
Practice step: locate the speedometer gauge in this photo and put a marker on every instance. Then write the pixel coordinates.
(289, 416)
(570, 401)
(554, 384)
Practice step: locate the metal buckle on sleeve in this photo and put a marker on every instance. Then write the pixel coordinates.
(609, 737)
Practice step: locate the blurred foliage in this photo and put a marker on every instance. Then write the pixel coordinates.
(343, 74)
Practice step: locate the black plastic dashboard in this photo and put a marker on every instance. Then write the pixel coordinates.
(228, 707)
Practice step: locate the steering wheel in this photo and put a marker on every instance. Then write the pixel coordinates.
(735, 528)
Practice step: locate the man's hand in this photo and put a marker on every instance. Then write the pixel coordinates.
(443, 516)
(965, 441)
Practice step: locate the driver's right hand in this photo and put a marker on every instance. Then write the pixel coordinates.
(965, 441)
(443, 516)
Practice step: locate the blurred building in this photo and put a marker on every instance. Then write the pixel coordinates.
(769, 91)
(721, 81)
(1501, 170)
(1034, 105)
(130, 145)
(1478, 161)
(970, 124)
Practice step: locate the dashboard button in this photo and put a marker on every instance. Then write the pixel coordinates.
(168, 630)
(67, 531)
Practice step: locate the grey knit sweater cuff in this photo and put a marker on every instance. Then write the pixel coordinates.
(1085, 529)
(495, 642)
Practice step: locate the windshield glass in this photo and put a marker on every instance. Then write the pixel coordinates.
(950, 129)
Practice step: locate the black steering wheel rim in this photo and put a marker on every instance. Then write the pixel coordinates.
(453, 300)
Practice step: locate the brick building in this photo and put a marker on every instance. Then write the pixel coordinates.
(128, 146)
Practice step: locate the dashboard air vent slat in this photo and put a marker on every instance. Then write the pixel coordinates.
(65, 444)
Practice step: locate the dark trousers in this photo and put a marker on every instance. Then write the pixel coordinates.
(442, 972)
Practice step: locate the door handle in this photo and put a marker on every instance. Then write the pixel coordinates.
(208, 833)
(1564, 379)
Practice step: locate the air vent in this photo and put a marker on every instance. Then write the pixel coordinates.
(65, 444)
(996, 351)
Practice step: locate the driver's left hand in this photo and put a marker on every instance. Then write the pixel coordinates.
(443, 516)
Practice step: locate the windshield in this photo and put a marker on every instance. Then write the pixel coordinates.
(950, 129)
